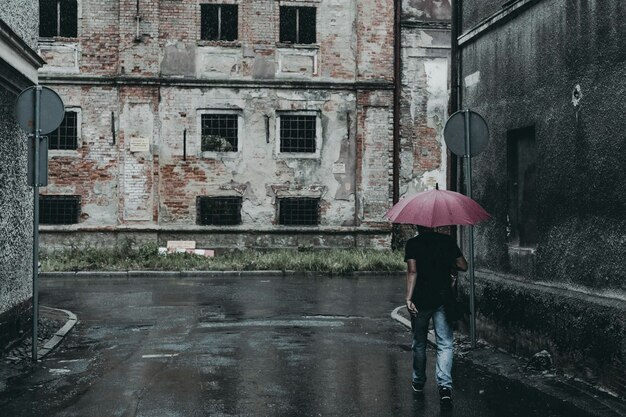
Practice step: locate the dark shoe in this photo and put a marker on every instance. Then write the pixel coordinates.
(418, 387)
(445, 396)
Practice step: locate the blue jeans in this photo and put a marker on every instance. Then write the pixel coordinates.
(444, 339)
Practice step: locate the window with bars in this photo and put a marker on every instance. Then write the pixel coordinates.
(219, 211)
(66, 135)
(219, 132)
(59, 209)
(58, 18)
(297, 133)
(301, 211)
(297, 25)
(218, 22)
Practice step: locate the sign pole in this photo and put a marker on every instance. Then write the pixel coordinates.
(36, 138)
(468, 177)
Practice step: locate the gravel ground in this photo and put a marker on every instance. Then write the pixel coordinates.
(21, 349)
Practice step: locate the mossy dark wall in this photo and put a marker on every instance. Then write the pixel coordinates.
(529, 68)
(566, 293)
(585, 335)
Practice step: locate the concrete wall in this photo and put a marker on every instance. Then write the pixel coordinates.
(154, 80)
(524, 73)
(23, 17)
(16, 202)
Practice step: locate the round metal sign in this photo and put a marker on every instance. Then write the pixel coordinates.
(51, 111)
(454, 133)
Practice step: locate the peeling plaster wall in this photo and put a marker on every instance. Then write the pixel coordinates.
(257, 171)
(524, 73)
(158, 77)
(424, 101)
(91, 171)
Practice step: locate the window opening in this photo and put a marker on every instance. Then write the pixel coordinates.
(297, 133)
(219, 132)
(302, 211)
(219, 211)
(218, 22)
(66, 135)
(297, 25)
(59, 209)
(522, 189)
(58, 18)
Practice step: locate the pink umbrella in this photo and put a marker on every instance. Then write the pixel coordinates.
(437, 208)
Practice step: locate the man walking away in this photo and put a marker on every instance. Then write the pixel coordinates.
(431, 257)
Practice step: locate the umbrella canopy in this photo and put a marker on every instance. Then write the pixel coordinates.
(437, 208)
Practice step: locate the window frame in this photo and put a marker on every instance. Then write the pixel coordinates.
(201, 198)
(240, 132)
(318, 135)
(58, 21)
(297, 7)
(79, 142)
(280, 217)
(59, 197)
(515, 218)
(219, 31)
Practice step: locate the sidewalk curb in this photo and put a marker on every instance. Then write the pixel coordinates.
(186, 274)
(602, 407)
(402, 320)
(60, 334)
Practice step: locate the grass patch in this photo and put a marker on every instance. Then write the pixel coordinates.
(335, 261)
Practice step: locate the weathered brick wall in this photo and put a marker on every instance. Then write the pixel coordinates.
(374, 154)
(91, 171)
(374, 24)
(424, 98)
(99, 37)
(258, 172)
(155, 187)
(139, 51)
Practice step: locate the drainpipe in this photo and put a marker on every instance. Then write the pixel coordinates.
(397, 79)
(455, 93)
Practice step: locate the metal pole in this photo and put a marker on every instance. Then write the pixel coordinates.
(36, 220)
(468, 176)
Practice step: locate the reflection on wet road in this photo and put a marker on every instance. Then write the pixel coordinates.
(243, 347)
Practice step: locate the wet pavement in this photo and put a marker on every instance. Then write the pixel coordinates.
(254, 346)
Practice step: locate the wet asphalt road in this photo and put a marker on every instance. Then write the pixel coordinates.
(261, 346)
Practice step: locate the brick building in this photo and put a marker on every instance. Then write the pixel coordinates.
(239, 123)
(548, 78)
(18, 70)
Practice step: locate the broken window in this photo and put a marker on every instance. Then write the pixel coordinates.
(66, 135)
(59, 209)
(297, 133)
(58, 18)
(219, 211)
(218, 22)
(301, 211)
(297, 25)
(219, 132)
(522, 189)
